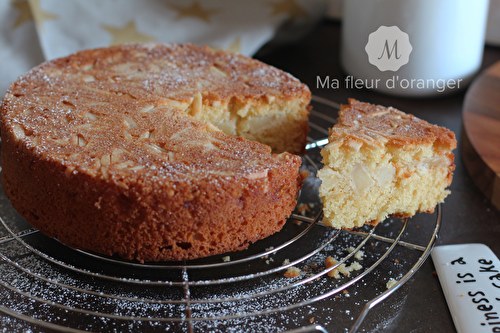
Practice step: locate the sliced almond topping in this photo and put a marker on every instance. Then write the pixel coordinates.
(212, 128)
(173, 103)
(195, 108)
(87, 67)
(130, 123)
(74, 156)
(202, 83)
(217, 72)
(84, 126)
(208, 145)
(81, 141)
(122, 184)
(257, 175)
(398, 116)
(104, 171)
(179, 135)
(159, 90)
(270, 98)
(124, 165)
(27, 112)
(68, 105)
(156, 148)
(35, 141)
(137, 167)
(61, 142)
(69, 171)
(378, 113)
(18, 132)
(88, 78)
(127, 135)
(154, 68)
(91, 116)
(147, 108)
(116, 155)
(144, 135)
(105, 160)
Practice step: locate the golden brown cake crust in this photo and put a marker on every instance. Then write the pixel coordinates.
(398, 127)
(98, 151)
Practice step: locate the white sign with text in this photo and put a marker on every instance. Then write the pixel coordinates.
(470, 277)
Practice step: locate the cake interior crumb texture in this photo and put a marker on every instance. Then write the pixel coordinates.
(382, 162)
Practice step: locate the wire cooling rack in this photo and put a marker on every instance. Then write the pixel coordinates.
(47, 287)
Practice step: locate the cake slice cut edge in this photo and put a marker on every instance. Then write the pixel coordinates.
(382, 162)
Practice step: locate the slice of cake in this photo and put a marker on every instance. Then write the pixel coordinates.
(123, 150)
(382, 162)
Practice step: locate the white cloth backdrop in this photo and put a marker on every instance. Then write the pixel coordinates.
(32, 31)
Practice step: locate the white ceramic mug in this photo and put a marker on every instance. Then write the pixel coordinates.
(446, 40)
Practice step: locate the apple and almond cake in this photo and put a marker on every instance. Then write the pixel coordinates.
(154, 152)
(382, 162)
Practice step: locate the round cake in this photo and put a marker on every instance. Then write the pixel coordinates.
(125, 150)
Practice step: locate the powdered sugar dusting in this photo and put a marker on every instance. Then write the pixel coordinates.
(46, 292)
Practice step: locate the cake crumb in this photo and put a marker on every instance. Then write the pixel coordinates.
(226, 258)
(286, 262)
(345, 292)
(268, 249)
(342, 268)
(358, 255)
(303, 209)
(297, 222)
(311, 320)
(314, 266)
(390, 283)
(292, 272)
(396, 261)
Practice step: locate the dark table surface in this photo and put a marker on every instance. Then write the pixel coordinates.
(468, 217)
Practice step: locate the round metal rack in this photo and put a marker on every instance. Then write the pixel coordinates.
(46, 286)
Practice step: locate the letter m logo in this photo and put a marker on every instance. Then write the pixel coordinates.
(388, 48)
(389, 52)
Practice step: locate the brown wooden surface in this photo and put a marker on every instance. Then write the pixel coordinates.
(481, 137)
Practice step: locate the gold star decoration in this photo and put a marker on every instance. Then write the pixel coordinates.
(24, 12)
(127, 34)
(195, 10)
(39, 15)
(235, 46)
(288, 7)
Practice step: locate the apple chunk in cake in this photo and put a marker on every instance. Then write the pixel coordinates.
(379, 162)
